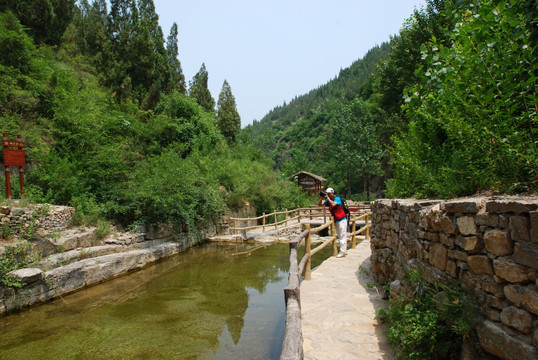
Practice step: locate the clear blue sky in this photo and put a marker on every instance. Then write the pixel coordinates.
(270, 51)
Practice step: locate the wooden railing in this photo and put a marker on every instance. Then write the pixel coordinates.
(274, 215)
(292, 346)
(309, 213)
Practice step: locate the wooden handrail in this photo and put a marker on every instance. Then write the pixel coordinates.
(264, 225)
(299, 213)
(292, 346)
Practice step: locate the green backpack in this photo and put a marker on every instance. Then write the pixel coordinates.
(345, 206)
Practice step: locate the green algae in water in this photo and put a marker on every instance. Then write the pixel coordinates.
(205, 303)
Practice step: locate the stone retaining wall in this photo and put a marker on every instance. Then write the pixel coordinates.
(40, 286)
(487, 245)
(43, 217)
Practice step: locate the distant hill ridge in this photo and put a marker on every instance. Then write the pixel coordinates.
(351, 81)
(297, 130)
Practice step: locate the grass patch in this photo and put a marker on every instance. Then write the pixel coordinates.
(14, 258)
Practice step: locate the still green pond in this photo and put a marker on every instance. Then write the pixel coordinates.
(216, 301)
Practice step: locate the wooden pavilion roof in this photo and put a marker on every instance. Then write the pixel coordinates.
(305, 175)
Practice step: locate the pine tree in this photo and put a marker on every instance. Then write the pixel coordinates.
(123, 19)
(134, 57)
(149, 64)
(91, 24)
(199, 91)
(228, 118)
(176, 79)
(46, 19)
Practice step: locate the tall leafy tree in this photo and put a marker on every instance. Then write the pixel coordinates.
(134, 57)
(355, 136)
(398, 71)
(199, 90)
(176, 79)
(228, 118)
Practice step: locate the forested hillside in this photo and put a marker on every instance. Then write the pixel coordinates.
(448, 108)
(100, 100)
(293, 132)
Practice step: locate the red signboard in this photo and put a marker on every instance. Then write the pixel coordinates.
(14, 157)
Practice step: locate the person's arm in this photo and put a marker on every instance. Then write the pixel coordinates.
(320, 201)
(331, 203)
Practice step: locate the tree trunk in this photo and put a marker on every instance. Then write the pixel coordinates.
(365, 186)
(368, 188)
(348, 184)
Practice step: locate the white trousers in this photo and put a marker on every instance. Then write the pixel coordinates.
(341, 232)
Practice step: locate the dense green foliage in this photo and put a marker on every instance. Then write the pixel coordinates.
(126, 143)
(432, 323)
(473, 122)
(448, 109)
(304, 135)
(46, 20)
(14, 258)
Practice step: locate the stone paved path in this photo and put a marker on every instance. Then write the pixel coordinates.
(338, 310)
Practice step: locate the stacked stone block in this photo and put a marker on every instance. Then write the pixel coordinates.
(487, 245)
(44, 217)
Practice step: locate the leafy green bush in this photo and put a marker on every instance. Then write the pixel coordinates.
(15, 257)
(473, 117)
(431, 324)
(167, 188)
(88, 212)
(18, 47)
(244, 177)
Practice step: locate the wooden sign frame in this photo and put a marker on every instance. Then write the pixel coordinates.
(14, 157)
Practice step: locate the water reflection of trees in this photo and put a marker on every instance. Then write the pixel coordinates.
(224, 278)
(181, 305)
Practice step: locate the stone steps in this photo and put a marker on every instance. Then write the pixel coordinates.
(82, 253)
(40, 285)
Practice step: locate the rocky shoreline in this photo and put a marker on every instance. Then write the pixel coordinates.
(67, 259)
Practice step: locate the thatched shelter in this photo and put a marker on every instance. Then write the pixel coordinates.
(308, 181)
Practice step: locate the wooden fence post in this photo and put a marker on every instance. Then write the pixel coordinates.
(286, 218)
(276, 226)
(333, 234)
(263, 222)
(368, 228)
(307, 245)
(353, 229)
(8, 182)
